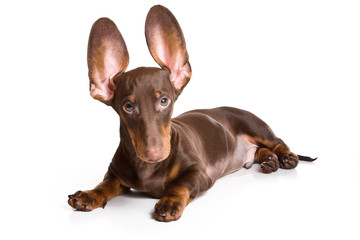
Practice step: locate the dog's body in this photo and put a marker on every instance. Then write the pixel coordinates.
(204, 140)
(171, 159)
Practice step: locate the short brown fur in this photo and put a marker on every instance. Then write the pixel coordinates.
(176, 159)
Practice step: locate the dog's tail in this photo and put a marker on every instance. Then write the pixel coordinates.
(305, 158)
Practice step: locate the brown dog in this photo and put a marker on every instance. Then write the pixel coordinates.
(171, 159)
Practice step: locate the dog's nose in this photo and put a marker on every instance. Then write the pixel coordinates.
(154, 154)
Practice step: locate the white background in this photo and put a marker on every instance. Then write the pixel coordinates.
(293, 63)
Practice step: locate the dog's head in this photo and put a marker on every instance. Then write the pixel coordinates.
(143, 97)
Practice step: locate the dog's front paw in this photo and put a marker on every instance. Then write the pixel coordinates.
(289, 161)
(86, 201)
(169, 209)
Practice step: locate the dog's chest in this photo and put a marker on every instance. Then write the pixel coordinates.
(149, 181)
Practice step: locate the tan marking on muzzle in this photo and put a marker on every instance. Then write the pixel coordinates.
(138, 148)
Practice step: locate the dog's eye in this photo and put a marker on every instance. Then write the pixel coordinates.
(129, 107)
(164, 102)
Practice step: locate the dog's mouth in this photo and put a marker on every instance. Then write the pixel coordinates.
(153, 155)
(151, 144)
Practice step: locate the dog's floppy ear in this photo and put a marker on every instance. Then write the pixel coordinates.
(107, 57)
(167, 46)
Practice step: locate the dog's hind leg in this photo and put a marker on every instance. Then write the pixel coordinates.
(274, 154)
(287, 159)
(267, 159)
